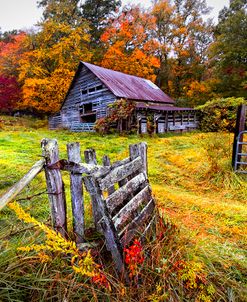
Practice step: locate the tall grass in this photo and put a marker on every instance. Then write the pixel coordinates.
(200, 250)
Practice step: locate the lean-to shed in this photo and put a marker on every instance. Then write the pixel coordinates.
(93, 88)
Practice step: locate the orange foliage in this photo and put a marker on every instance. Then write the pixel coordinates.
(47, 71)
(11, 53)
(129, 47)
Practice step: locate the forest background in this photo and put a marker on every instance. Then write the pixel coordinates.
(172, 43)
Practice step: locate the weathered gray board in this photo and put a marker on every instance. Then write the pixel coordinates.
(129, 211)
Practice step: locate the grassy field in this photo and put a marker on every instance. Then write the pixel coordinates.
(200, 257)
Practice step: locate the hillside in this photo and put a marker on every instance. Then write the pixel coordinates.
(202, 202)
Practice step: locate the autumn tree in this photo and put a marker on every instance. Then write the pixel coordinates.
(129, 45)
(62, 11)
(229, 51)
(98, 13)
(12, 47)
(10, 93)
(183, 37)
(47, 69)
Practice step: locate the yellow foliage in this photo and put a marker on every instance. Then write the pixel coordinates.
(47, 71)
(55, 243)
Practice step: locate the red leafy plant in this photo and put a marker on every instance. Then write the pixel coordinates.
(134, 257)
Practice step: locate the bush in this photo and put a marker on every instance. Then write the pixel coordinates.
(219, 114)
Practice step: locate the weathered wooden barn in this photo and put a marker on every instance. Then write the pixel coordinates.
(93, 88)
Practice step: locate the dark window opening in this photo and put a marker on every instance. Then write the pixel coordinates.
(91, 90)
(100, 87)
(87, 108)
(90, 118)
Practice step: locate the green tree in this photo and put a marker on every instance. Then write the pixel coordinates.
(229, 51)
(97, 13)
(62, 11)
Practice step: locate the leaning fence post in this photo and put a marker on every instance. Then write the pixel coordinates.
(55, 186)
(76, 191)
(106, 162)
(139, 150)
(90, 158)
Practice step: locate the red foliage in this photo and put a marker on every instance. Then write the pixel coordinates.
(101, 280)
(9, 93)
(134, 257)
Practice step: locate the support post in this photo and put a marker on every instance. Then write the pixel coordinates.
(90, 158)
(106, 224)
(76, 191)
(106, 162)
(140, 150)
(55, 186)
(240, 126)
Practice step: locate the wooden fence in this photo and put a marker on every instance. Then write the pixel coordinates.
(122, 203)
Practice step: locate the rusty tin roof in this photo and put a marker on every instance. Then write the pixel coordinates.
(128, 86)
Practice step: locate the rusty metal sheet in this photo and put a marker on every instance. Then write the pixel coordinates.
(128, 86)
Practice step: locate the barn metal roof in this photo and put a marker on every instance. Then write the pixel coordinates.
(128, 86)
(161, 107)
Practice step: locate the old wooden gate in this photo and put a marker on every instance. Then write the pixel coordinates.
(122, 203)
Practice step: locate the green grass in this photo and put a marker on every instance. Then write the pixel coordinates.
(197, 194)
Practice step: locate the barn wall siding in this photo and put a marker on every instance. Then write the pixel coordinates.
(69, 116)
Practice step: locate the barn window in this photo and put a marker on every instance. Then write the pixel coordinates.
(91, 90)
(87, 114)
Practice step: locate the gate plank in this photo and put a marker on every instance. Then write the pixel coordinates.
(120, 173)
(106, 224)
(122, 193)
(134, 227)
(129, 210)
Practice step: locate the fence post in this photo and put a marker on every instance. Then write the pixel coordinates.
(140, 150)
(106, 162)
(76, 191)
(55, 186)
(240, 126)
(90, 158)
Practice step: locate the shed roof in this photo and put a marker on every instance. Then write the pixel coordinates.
(128, 86)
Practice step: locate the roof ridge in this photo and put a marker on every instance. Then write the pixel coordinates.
(112, 70)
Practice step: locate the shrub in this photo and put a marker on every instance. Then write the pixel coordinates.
(119, 111)
(219, 114)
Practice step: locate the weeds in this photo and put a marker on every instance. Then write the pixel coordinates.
(200, 250)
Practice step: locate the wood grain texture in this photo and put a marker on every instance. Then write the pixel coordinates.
(107, 226)
(22, 183)
(55, 187)
(120, 173)
(134, 228)
(107, 163)
(76, 191)
(117, 198)
(128, 212)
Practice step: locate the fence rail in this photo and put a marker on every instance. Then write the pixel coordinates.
(121, 197)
